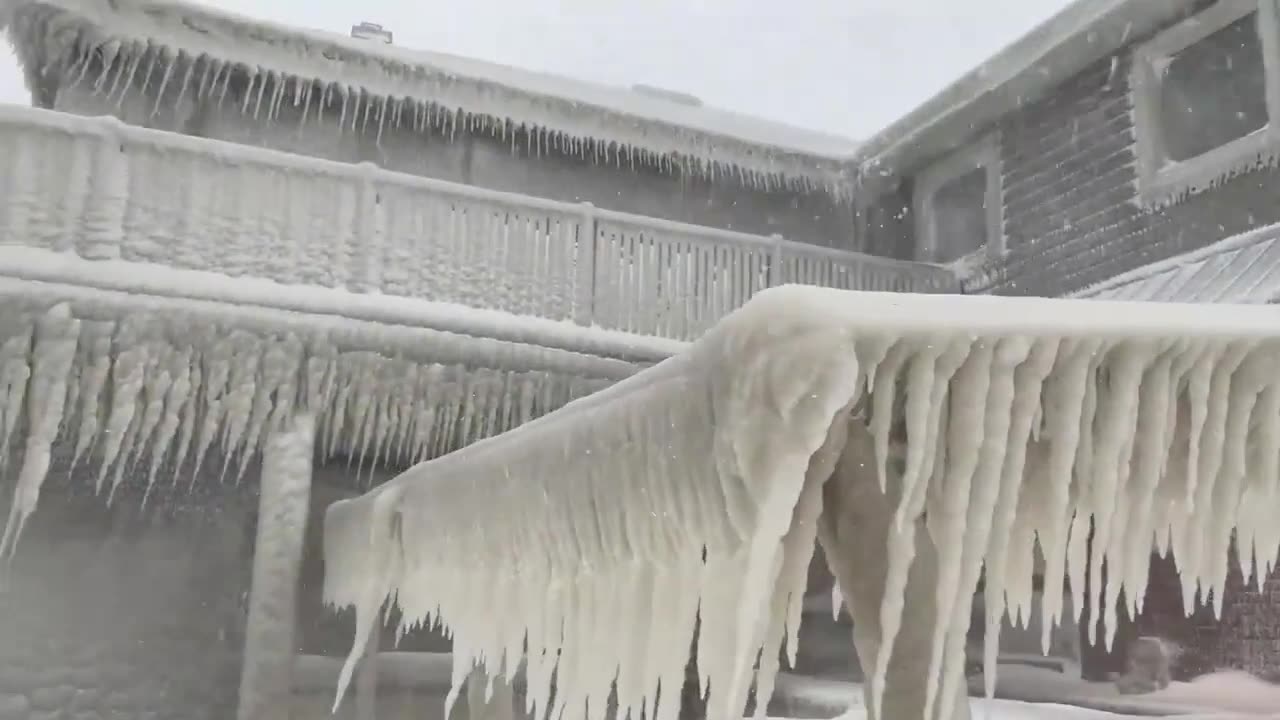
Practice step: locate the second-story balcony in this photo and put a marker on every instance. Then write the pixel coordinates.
(102, 190)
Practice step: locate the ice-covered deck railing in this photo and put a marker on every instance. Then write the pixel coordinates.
(194, 51)
(589, 539)
(104, 190)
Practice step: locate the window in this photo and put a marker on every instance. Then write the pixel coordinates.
(958, 205)
(1205, 92)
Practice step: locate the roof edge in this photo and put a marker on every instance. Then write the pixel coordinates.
(554, 120)
(1025, 71)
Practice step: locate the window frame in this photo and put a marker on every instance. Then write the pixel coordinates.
(1161, 179)
(980, 154)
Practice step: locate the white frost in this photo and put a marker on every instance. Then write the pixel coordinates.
(689, 489)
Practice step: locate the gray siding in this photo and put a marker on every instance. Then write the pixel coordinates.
(1071, 214)
(1070, 194)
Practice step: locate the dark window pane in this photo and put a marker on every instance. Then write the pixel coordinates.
(960, 216)
(1214, 91)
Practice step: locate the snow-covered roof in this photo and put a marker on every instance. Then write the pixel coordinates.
(611, 124)
(1244, 268)
(1083, 33)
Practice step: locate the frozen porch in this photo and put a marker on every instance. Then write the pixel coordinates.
(169, 303)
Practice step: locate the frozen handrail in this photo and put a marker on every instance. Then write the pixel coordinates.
(106, 190)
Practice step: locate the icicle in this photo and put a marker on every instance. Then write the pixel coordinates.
(273, 392)
(208, 77)
(186, 433)
(265, 78)
(83, 63)
(279, 88)
(214, 374)
(227, 69)
(14, 373)
(125, 78)
(170, 61)
(159, 378)
(127, 375)
(131, 445)
(947, 507)
(174, 403)
(56, 335)
(255, 78)
(155, 55)
(306, 103)
(1064, 406)
(382, 119)
(242, 387)
(346, 99)
(186, 80)
(111, 59)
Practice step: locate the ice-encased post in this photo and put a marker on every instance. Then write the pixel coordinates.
(855, 528)
(266, 680)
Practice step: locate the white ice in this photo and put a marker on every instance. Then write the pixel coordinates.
(689, 487)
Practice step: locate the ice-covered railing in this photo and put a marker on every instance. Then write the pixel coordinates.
(657, 277)
(924, 441)
(105, 190)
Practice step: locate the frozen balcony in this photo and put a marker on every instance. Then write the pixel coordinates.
(98, 190)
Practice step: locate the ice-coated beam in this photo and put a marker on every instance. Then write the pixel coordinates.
(284, 502)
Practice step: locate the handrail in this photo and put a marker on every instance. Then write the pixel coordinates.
(105, 190)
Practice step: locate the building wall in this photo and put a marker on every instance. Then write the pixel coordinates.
(1071, 211)
(486, 161)
(1072, 217)
(124, 611)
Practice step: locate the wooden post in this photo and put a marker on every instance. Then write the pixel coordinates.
(266, 680)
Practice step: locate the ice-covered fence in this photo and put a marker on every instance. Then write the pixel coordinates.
(106, 190)
(657, 277)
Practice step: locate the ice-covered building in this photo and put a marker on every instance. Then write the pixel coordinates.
(1123, 149)
(416, 250)
(228, 249)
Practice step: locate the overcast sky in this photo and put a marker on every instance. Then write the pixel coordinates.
(845, 66)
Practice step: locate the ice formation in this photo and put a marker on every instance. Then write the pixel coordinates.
(588, 540)
(151, 48)
(153, 391)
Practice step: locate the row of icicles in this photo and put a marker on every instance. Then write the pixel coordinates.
(76, 50)
(134, 397)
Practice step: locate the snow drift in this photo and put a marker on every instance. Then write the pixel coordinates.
(589, 540)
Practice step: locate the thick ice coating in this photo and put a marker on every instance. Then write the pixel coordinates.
(589, 540)
(129, 398)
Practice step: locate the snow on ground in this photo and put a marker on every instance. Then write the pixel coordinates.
(1027, 692)
(1228, 691)
(1014, 710)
